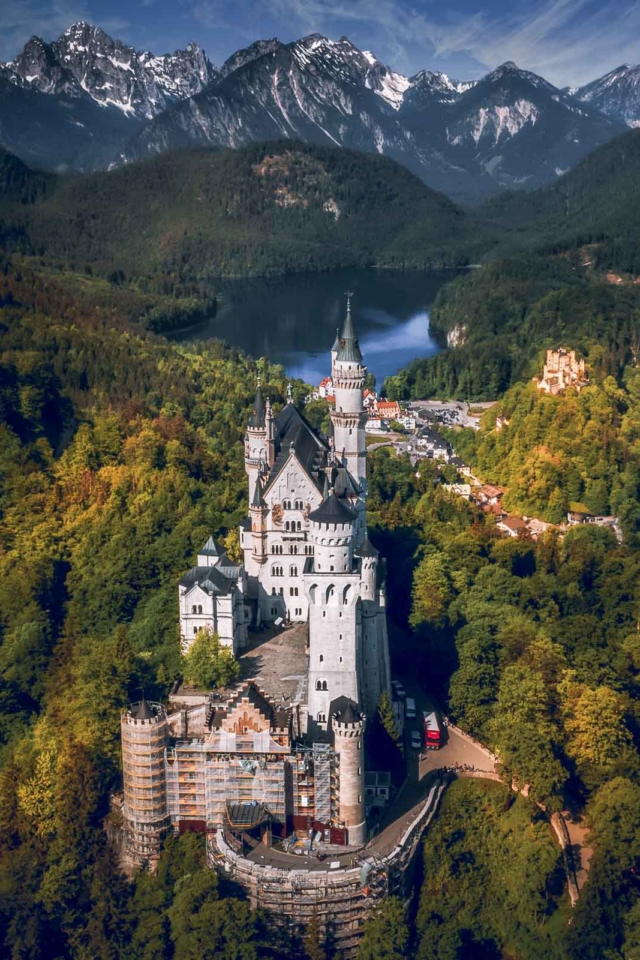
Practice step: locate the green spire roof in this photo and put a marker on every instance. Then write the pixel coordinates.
(349, 347)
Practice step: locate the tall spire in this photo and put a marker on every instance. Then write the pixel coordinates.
(257, 414)
(336, 342)
(349, 346)
(289, 393)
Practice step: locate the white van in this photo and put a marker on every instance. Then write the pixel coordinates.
(410, 709)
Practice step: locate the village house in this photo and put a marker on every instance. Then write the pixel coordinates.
(488, 493)
(512, 526)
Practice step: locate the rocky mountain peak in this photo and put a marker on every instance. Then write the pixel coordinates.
(85, 61)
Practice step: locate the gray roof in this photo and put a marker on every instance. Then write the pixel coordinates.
(257, 415)
(346, 711)
(367, 549)
(258, 499)
(310, 449)
(145, 711)
(211, 548)
(349, 347)
(333, 510)
(336, 342)
(213, 580)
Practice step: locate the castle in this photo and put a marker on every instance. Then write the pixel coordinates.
(258, 763)
(562, 370)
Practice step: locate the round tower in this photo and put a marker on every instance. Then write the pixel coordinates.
(144, 733)
(348, 729)
(331, 529)
(256, 442)
(258, 512)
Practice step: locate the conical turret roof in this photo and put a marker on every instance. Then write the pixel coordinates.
(333, 510)
(258, 499)
(257, 415)
(336, 342)
(144, 711)
(349, 347)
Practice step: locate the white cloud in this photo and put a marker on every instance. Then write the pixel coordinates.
(567, 41)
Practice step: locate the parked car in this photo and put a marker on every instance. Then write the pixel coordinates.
(410, 708)
(416, 740)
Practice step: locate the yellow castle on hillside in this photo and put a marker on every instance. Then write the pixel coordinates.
(562, 370)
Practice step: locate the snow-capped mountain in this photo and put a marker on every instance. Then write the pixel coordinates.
(87, 100)
(617, 94)
(85, 61)
(511, 129)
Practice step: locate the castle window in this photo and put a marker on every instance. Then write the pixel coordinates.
(273, 591)
(321, 657)
(324, 685)
(322, 718)
(318, 684)
(286, 526)
(274, 610)
(281, 591)
(199, 609)
(293, 548)
(341, 636)
(293, 571)
(324, 613)
(340, 659)
(195, 630)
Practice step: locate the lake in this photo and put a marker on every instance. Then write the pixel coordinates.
(292, 320)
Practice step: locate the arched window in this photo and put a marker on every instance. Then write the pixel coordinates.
(318, 684)
(195, 630)
(313, 589)
(273, 591)
(193, 609)
(299, 525)
(293, 548)
(346, 593)
(293, 571)
(321, 657)
(324, 685)
(330, 593)
(322, 718)
(199, 609)
(286, 525)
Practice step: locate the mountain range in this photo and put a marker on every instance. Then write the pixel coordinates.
(87, 102)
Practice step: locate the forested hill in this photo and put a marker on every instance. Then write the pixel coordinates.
(564, 273)
(265, 209)
(597, 203)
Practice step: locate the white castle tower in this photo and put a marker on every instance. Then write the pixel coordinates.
(348, 418)
(332, 587)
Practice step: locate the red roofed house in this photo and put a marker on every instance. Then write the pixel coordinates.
(325, 387)
(388, 409)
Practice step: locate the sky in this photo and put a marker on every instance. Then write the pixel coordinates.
(567, 41)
